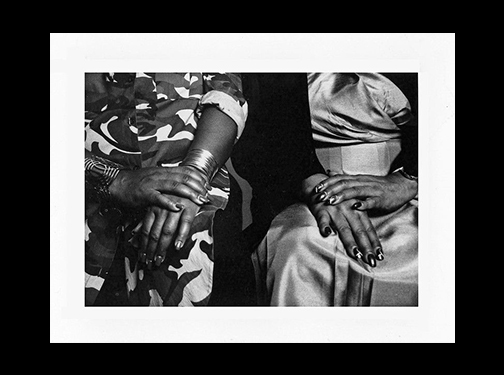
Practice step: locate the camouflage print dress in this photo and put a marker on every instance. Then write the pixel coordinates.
(149, 119)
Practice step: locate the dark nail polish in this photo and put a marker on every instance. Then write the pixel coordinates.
(159, 260)
(357, 253)
(318, 188)
(357, 205)
(327, 231)
(371, 260)
(142, 257)
(149, 264)
(322, 196)
(379, 253)
(178, 244)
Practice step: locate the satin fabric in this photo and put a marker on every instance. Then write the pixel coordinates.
(295, 265)
(354, 108)
(301, 268)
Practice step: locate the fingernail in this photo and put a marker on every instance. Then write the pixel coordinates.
(379, 253)
(318, 188)
(142, 257)
(149, 263)
(180, 206)
(357, 205)
(357, 253)
(322, 196)
(178, 244)
(208, 186)
(159, 260)
(371, 260)
(327, 231)
(203, 198)
(333, 200)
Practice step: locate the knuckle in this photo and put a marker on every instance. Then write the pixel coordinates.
(154, 237)
(343, 229)
(360, 232)
(167, 232)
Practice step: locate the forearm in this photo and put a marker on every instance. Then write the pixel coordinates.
(216, 133)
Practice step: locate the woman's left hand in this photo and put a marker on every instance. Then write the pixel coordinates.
(385, 193)
(161, 228)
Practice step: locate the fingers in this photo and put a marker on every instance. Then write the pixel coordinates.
(373, 236)
(344, 231)
(357, 234)
(185, 224)
(186, 183)
(367, 204)
(352, 190)
(361, 236)
(168, 232)
(337, 189)
(162, 228)
(147, 223)
(324, 223)
(151, 233)
(165, 202)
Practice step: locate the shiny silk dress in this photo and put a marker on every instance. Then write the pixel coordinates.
(356, 121)
(144, 120)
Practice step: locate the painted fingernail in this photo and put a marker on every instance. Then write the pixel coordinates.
(149, 263)
(318, 188)
(142, 257)
(203, 198)
(357, 205)
(333, 200)
(322, 196)
(379, 253)
(371, 260)
(180, 206)
(159, 260)
(327, 231)
(178, 244)
(357, 253)
(208, 186)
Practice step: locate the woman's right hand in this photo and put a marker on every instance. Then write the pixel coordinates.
(148, 186)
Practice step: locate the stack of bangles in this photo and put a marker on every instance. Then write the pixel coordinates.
(203, 161)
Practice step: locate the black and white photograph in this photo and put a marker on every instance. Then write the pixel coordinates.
(287, 192)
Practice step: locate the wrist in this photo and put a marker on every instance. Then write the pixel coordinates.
(101, 173)
(409, 183)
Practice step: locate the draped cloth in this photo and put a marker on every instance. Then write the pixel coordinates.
(356, 121)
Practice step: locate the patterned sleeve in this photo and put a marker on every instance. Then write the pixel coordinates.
(224, 90)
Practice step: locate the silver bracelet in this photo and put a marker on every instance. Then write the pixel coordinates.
(203, 161)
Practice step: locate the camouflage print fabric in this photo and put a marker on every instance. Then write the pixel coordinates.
(140, 120)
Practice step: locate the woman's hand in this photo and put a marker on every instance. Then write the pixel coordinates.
(386, 193)
(161, 228)
(356, 231)
(154, 185)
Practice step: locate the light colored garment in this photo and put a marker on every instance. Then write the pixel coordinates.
(355, 122)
